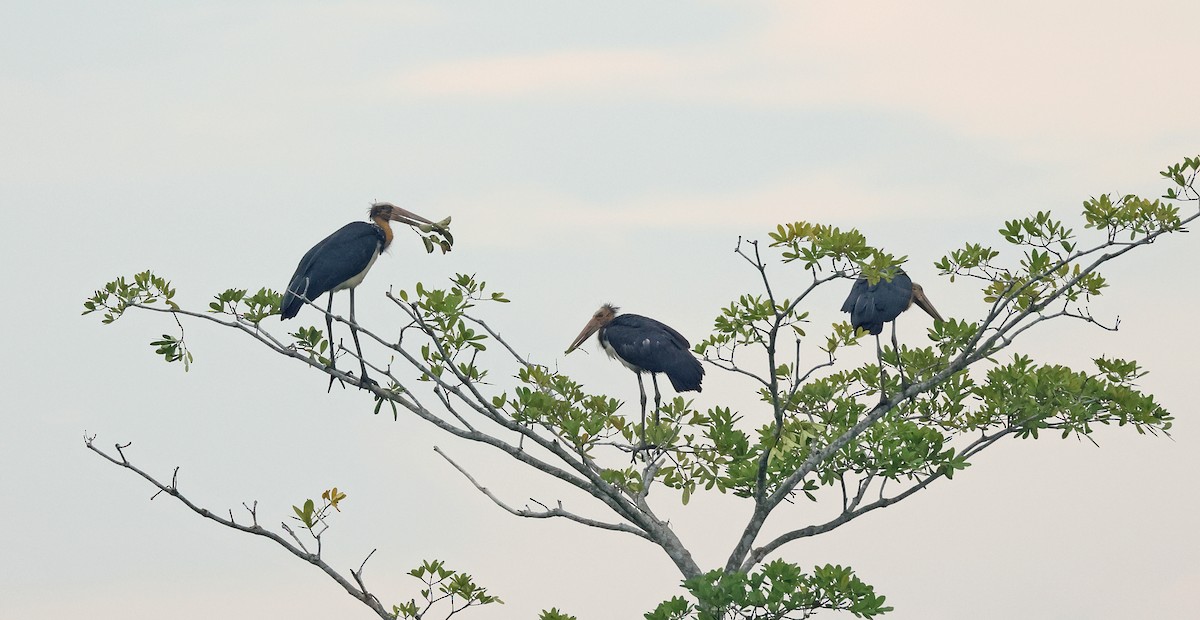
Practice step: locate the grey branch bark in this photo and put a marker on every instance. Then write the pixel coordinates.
(548, 512)
(359, 592)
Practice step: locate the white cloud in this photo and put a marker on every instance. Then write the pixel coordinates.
(827, 196)
(1066, 68)
(1030, 75)
(577, 72)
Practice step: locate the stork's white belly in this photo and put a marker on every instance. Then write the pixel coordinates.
(357, 279)
(613, 354)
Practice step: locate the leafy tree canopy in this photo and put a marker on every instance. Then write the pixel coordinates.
(846, 439)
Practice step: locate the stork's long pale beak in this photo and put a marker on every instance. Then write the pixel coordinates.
(588, 330)
(404, 216)
(919, 298)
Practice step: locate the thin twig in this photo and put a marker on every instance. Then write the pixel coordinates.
(255, 529)
(544, 514)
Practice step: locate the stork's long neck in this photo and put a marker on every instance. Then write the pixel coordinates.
(382, 223)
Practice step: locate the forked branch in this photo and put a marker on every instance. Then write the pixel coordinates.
(359, 592)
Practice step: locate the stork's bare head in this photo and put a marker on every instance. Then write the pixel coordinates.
(602, 317)
(382, 212)
(389, 211)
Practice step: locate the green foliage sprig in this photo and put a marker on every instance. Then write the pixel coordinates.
(442, 314)
(257, 307)
(146, 290)
(442, 585)
(119, 295)
(778, 591)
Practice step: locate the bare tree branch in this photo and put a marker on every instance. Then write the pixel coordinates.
(360, 594)
(544, 514)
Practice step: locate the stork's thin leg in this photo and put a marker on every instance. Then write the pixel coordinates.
(642, 390)
(882, 374)
(329, 338)
(364, 380)
(657, 397)
(896, 351)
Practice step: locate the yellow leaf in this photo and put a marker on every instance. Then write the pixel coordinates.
(333, 496)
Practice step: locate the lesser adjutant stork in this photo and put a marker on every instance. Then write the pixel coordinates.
(645, 345)
(872, 305)
(341, 261)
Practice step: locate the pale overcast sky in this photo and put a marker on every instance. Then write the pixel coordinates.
(588, 153)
